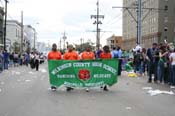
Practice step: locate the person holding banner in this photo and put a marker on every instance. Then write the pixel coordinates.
(106, 55)
(70, 55)
(87, 55)
(54, 55)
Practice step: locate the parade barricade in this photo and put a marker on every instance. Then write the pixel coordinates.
(87, 73)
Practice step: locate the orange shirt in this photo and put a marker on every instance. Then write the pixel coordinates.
(104, 55)
(87, 55)
(71, 56)
(54, 55)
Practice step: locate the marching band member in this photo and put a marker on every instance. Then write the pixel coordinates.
(106, 55)
(70, 55)
(54, 55)
(87, 55)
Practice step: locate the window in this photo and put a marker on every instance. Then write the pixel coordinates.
(166, 8)
(112, 46)
(16, 33)
(112, 41)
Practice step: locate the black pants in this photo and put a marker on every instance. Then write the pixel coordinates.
(32, 63)
(37, 64)
(119, 66)
(152, 69)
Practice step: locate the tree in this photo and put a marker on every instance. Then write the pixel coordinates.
(82, 47)
(16, 47)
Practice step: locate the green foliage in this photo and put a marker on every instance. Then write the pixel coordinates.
(82, 47)
(16, 47)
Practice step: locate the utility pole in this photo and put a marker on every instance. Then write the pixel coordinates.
(5, 24)
(97, 22)
(64, 39)
(139, 19)
(22, 32)
(81, 40)
(60, 44)
(34, 38)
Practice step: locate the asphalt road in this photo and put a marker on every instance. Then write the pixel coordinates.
(25, 92)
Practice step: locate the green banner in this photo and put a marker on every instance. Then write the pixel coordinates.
(87, 73)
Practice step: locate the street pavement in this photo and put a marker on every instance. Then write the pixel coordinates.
(25, 92)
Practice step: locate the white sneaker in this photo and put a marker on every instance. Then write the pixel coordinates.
(172, 87)
(87, 90)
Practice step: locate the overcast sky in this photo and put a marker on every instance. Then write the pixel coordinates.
(73, 16)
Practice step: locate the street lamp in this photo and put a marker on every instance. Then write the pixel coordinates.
(6, 1)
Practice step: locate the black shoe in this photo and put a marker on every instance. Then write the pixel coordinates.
(53, 88)
(69, 89)
(149, 81)
(105, 88)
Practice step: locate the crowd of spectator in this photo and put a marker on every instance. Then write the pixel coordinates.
(157, 62)
(15, 59)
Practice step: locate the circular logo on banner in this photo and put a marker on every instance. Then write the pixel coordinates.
(84, 74)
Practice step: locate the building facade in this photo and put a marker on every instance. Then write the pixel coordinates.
(158, 24)
(13, 35)
(114, 41)
(31, 36)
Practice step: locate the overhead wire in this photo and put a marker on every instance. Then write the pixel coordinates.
(1, 3)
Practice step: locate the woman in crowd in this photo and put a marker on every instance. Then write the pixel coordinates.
(162, 64)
